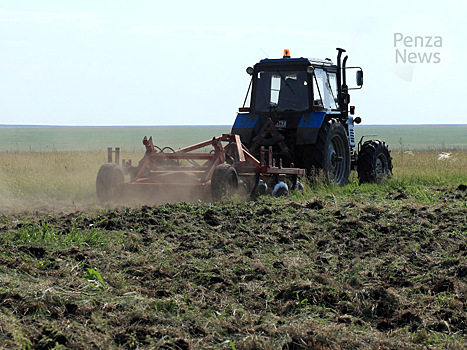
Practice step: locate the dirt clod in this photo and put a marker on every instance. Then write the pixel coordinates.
(210, 218)
(315, 205)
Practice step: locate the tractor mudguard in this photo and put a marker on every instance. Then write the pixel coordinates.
(308, 127)
(244, 126)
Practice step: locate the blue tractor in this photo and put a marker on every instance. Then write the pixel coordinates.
(301, 108)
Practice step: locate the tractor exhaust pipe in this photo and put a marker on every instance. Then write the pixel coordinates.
(339, 71)
(345, 91)
(344, 76)
(341, 80)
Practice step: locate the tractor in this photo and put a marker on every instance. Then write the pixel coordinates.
(301, 107)
(298, 123)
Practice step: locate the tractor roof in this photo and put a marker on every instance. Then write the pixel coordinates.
(298, 61)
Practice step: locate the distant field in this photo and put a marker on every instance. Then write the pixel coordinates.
(40, 139)
(99, 138)
(419, 137)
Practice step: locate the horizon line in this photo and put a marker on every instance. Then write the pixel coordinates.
(184, 125)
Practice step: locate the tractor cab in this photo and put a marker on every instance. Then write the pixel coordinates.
(287, 86)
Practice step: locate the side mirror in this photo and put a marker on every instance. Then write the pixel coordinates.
(359, 77)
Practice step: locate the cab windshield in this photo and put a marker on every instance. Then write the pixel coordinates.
(281, 91)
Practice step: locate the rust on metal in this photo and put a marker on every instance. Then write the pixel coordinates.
(117, 155)
(193, 166)
(109, 154)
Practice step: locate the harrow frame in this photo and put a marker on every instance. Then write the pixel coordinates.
(193, 167)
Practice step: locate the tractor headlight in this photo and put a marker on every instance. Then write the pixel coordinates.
(249, 70)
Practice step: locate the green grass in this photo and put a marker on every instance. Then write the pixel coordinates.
(45, 235)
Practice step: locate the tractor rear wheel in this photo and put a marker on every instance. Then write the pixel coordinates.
(374, 162)
(224, 182)
(331, 153)
(110, 175)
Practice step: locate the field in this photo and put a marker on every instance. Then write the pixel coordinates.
(64, 139)
(91, 139)
(370, 267)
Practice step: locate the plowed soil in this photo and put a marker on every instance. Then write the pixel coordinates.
(388, 272)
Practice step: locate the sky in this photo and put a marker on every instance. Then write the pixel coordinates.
(183, 62)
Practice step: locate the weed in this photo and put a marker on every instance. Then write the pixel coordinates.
(94, 276)
(226, 342)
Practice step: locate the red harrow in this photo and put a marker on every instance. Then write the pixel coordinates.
(228, 165)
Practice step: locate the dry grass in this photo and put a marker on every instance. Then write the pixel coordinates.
(30, 180)
(59, 180)
(430, 165)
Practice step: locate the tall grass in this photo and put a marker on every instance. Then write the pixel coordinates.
(29, 179)
(430, 167)
(54, 175)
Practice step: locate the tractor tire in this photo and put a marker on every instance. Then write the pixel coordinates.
(330, 153)
(374, 163)
(110, 175)
(224, 182)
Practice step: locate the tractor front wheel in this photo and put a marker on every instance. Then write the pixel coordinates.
(374, 162)
(224, 182)
(110, 175)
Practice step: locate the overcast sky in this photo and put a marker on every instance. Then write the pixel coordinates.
(183, 62)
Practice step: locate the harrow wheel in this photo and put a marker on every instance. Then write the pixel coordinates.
(224, 182)
(110, 175)
(374, 162)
